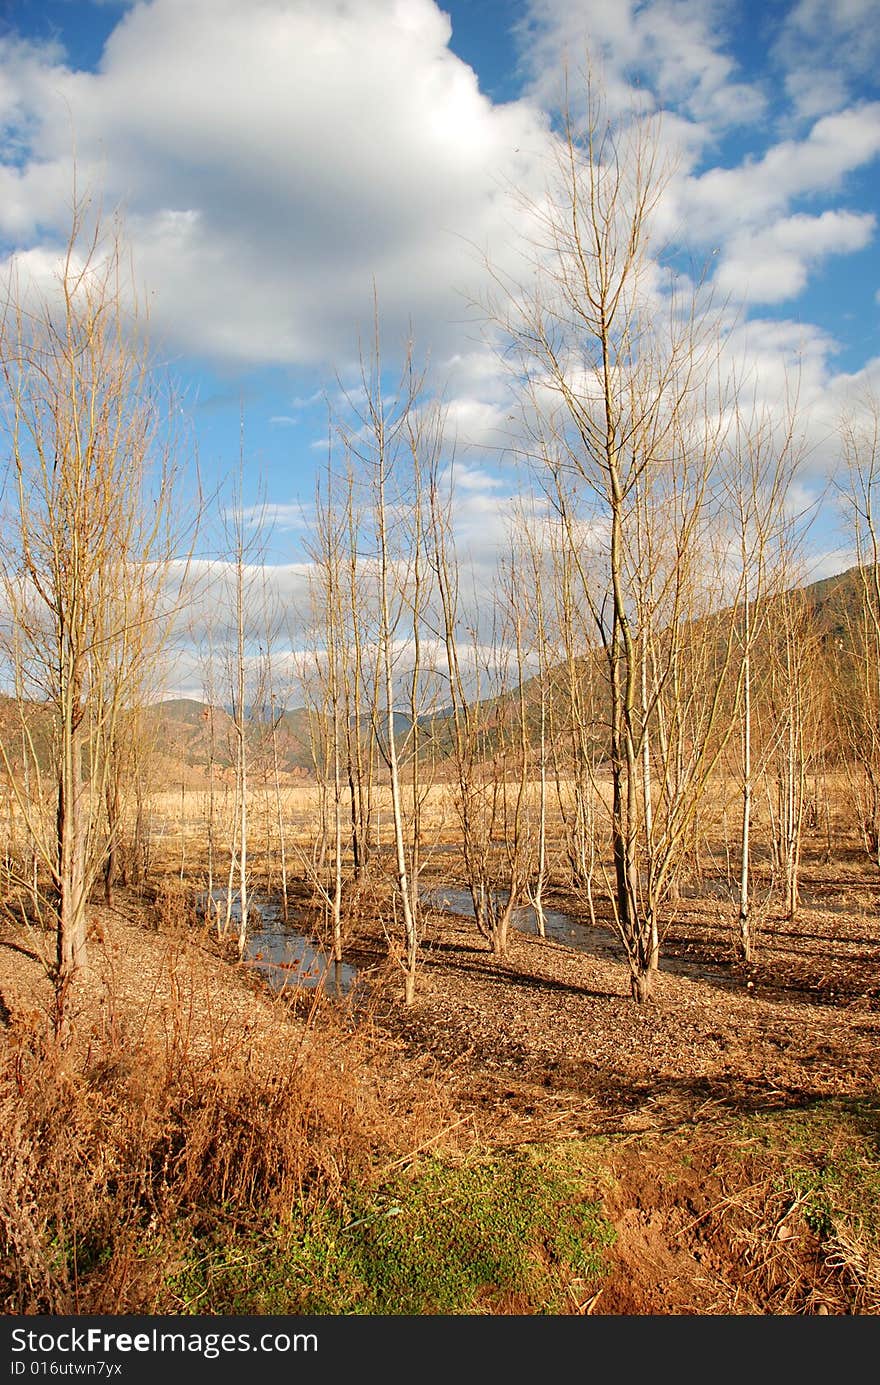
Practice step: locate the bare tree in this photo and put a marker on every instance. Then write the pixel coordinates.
(276, 714)
(240, 573)
(859, 655)
(576, 734)
(394, 436)
(481, 722)
(330, 733)
(129, 749)
(359, 748)
(88, 546)
(761, 462)
(208, 665)
(793, 699)
(511, 759)
(617, 378)
(534, 563)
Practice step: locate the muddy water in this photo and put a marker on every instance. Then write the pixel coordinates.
(288, 956)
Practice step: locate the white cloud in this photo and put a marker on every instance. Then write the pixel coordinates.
(484, 510)
(472, 422)
(275, 596)
(669, 49)
(723, 200)
(473, 480)
(270, 518)
(778, 363)
(773, 216)
(772, 265)
(273, 159)
(825, 48)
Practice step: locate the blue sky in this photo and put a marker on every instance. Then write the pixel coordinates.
(273, 157)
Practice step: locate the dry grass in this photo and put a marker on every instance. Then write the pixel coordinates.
(175, 1101)
(770, 1214)
(190, 1093)
(179, 820)
(794, 1240)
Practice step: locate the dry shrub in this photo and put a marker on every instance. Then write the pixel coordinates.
(778, 1260)
(786, 1244)
(109, 1161)
(175, 906)
(23, 1223)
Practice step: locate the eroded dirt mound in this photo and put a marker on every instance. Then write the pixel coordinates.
(693, 1238)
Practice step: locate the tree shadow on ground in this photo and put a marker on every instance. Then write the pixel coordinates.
(486, 968)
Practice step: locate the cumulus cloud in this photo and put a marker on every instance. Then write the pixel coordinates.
(825, 47)
(786, 373)
(272, 517)
(671, 51)
(274, 160)
(472, 422)
(767, 219)
(772, 265)
(723, 200)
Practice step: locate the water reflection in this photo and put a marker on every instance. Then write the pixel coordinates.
(558, 926)
(283, 954)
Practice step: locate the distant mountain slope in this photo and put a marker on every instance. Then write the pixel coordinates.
(184, 724)
(186, 735)
(835, 603)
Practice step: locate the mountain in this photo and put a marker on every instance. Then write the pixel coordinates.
(186, 735)
(835, 604)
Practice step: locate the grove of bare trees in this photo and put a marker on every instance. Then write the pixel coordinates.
(644, 666)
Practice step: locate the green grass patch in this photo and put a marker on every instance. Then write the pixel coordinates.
(510, 1233)
(524, 1231)
(832, 1166)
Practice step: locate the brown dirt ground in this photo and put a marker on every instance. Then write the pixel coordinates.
(549, 1042)
(548, 1045)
